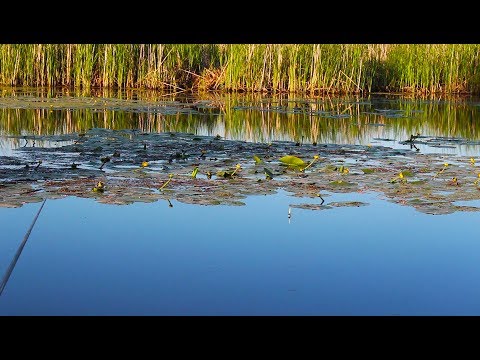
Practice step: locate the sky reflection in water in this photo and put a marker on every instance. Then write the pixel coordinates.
(86, 258)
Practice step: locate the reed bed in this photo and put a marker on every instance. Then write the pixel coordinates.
(267, 68)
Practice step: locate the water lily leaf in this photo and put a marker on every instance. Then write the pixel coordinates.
(310, 206)
(23, 178)
(225, 173)
(257, 159)
(328, 168)
(268, 173)
(347, 204)
(341, 183)
(417, 182)
(194, 172)
(291, 160)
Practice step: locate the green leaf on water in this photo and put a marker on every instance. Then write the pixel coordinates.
(340, 183)
(368, 170)
(268, 173)
(291, 160)
(417, 182)
(227, 174)
(328, 168)
(257, 159)
(194, 172)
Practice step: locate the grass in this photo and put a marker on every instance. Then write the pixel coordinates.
(293, 68)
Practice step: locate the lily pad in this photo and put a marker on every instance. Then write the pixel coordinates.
(341, 183)
(347, 204)
(294, 161)
(35, 173)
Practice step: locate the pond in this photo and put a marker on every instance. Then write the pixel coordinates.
(231, 204)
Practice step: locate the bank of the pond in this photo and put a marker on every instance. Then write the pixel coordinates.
(293, 68)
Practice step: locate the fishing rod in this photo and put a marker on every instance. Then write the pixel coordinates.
(19, 251)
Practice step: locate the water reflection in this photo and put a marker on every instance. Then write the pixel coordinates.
(347, 120)
(152, 259)
(269, 257)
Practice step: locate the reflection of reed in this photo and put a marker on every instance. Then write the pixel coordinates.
(321, 119)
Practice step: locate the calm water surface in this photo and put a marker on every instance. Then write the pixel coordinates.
(87, 258)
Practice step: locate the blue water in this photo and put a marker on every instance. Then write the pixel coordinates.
(87, 258)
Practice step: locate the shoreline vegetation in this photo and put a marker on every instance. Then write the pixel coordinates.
(308, 69)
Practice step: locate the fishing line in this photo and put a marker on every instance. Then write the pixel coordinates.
(19, 251)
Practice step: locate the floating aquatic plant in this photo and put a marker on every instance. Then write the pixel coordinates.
(104, 160)
(478, 180)
(454, 181)
(445, 166)
(143, 165)
(228, 173)
(268, 173)
(330, 205)
(257, 159)
(194, 172)
(400, 177)
(170, 176)
(315, 158)
(368, 170)
(293, 162)
(340, 182)
(54, 179)
(237, 167)
(343, 170)
(99, 187)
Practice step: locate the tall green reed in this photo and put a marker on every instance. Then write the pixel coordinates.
(294, 68)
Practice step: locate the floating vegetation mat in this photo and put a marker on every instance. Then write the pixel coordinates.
(125, 166)
(100, 104)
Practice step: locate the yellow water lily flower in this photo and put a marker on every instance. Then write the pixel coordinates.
(235, 170)
(99, 187)
(454, 181)
(145, 164)
(476, 181)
